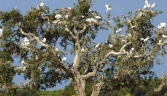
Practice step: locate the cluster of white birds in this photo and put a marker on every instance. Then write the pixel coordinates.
(1, 32)
(108, 7)
(148, 5)
(162, 25)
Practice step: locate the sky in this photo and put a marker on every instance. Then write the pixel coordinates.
(119, 7)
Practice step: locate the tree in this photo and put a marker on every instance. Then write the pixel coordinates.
(123, 59)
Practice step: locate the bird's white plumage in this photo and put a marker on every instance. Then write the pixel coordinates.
(44, 40)
(119, 30)
(64, 59)
(58, 16)
(97, 17)
(97, 45)
(42, 3)
(153, 5)
(163, 24)
(108, 8)
(146, 2)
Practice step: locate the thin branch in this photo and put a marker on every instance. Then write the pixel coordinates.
(31, 34)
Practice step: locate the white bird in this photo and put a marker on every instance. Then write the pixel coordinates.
(119, 30)
(66, 16)
(146, 39)
(97, 17)
(159, 27)
(26, 39)
(110, 45)
(42, 3)
(64, 59)
(153, 5)
(22, 61)
(164, 36)
(1, 30)
(163, 24)
(97, 45)
(44, 40)
(82, 50)
(146, 2)
(58, 16)
(145, 7)
(148, 5)
(56, 49)
(108, 8)
(131, 50)
(91, 20)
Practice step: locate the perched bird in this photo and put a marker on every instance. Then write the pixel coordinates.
(91, 20)
(163, 24)
(42, 3)
(145, 40)
(97, 46)
(146, 2)
(119, 30)
(22, 61)
(1, 30)
(44, 40)
(153, 5)
(110, 45)
(108, 8)
(58, 16)
(64, 59)
(159, 27)
(97, 17)
(82, 50)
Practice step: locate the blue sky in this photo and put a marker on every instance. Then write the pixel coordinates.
(119, 7)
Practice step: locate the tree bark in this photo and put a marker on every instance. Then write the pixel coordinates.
(79, 86)
(97, 88)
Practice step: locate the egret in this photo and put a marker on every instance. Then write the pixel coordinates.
(110, 45)
(42, 3)
(97, 17)
(97, 46)
(119, 30)
(22, 61)
(56, 49)
(64, 59)
(26, 39)
(82, 50)
(146, 2)
(153, 5)
(163, 24)
(1, 30)
(148, 5)
(91, 20)
(145, 7)
(44, 40)
(131, 50)
(66, 16)
(108, 8)
(159, 27)
(58, 16)
(146, 39)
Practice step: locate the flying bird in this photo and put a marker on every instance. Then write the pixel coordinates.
(108, 8)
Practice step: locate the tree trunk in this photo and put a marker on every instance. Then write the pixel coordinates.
(79, 86)
(97, 88)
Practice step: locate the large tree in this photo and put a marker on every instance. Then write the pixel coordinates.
(125, 57)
